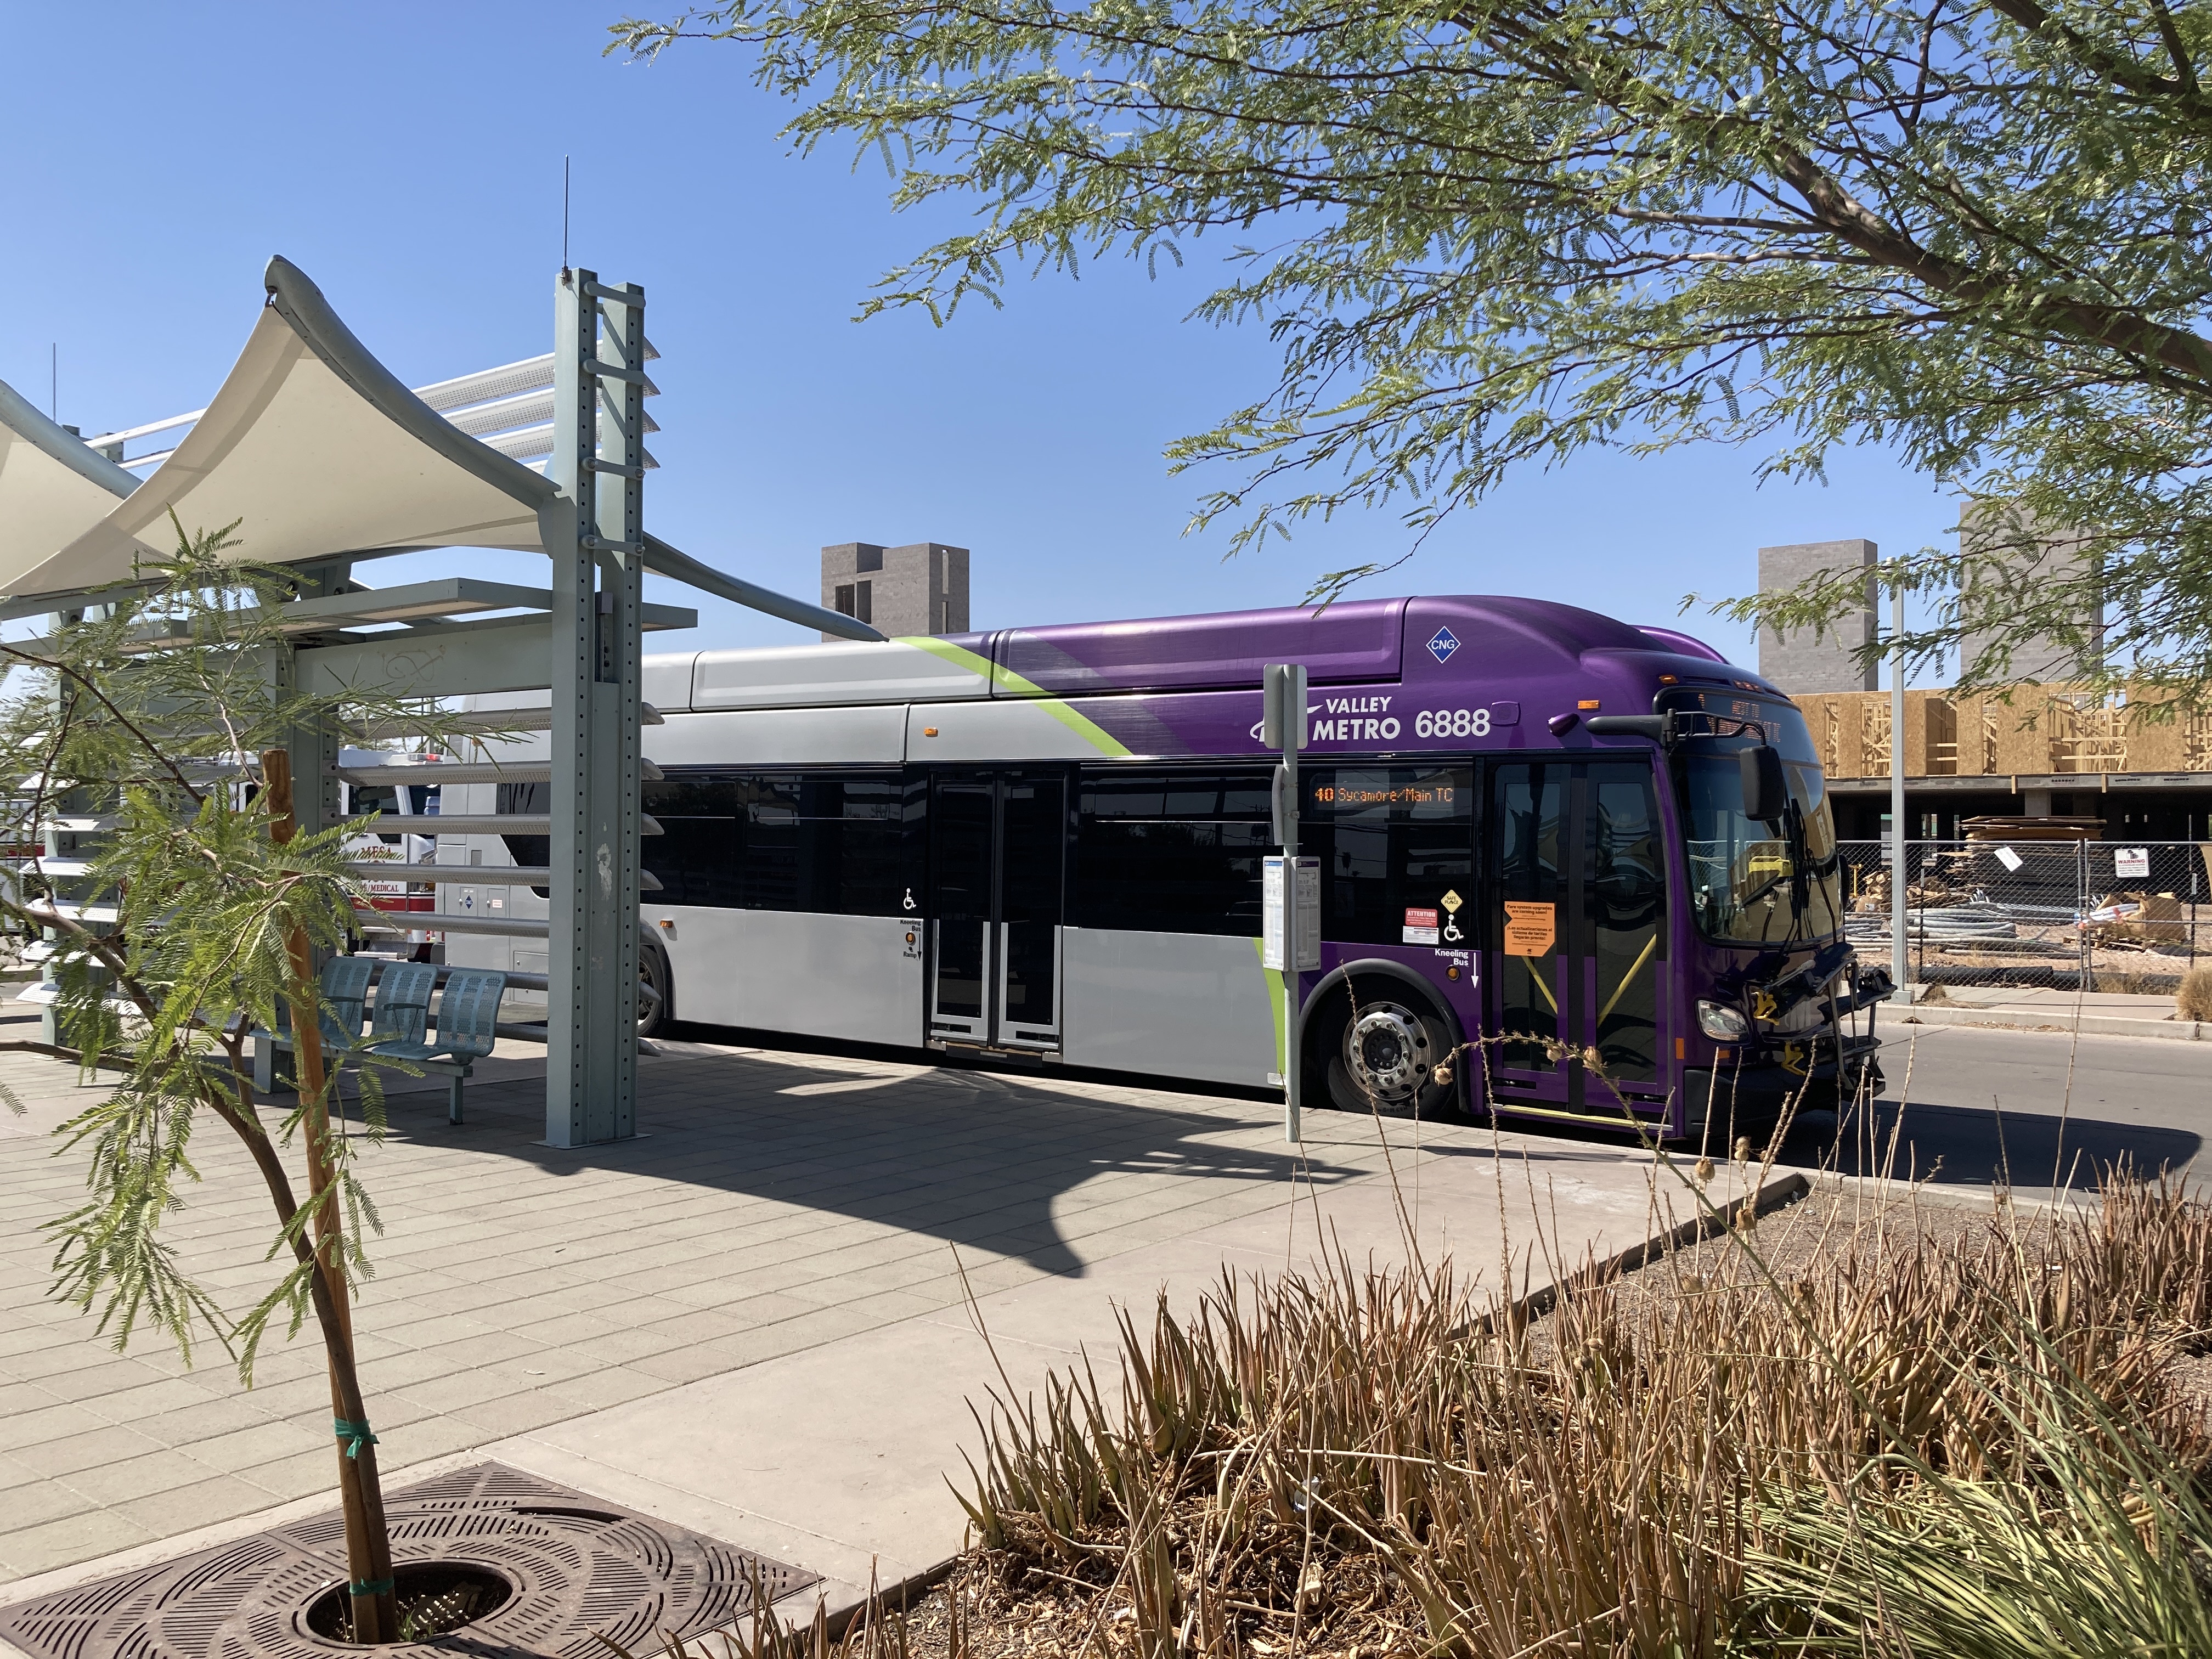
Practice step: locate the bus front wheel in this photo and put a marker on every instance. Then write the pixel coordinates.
(1378, 1046)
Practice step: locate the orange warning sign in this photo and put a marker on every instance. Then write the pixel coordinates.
(1530, 928)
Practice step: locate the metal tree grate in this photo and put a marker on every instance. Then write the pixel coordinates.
(581, 1568)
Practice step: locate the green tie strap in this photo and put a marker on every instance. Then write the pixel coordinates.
(357, 1436)
(370, 1587)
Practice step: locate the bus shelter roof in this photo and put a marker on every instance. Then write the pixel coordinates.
(313, 449)
(53, 487)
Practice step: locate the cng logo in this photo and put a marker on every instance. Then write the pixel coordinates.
(1443, 643)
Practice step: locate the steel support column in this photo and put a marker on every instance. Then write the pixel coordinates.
(595, 534)
(312, 748)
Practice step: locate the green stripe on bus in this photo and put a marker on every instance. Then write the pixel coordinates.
(1103, 741)
(1275, 985)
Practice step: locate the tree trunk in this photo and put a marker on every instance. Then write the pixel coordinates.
(368, 1541)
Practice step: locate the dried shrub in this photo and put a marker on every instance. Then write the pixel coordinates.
(2194, 999)
(1377, 1460)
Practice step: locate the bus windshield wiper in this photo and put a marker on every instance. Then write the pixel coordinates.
(1763, 889)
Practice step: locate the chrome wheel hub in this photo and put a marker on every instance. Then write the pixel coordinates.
(1387, 1052)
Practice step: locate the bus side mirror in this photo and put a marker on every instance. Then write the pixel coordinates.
(1765, 790)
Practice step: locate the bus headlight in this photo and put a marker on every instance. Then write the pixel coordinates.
(1719, 1020)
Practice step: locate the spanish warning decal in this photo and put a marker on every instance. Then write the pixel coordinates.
(1530, 928)
(1421, 927)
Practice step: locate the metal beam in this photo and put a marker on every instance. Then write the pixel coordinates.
(671, 561)
(477, 657)
(451, 596)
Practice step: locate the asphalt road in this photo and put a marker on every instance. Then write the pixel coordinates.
(1975, 1104)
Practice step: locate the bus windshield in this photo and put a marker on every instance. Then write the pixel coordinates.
(1753, 881)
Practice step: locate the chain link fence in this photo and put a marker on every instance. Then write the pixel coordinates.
(2070, 915)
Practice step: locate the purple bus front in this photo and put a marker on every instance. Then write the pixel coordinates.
(1541, 850)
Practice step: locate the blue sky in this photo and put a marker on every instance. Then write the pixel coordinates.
(409, 157)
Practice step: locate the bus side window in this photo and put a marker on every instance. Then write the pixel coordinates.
(1171, 851)
(527, 798)
(828, 843)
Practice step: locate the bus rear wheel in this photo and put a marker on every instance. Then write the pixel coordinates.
(1379, 1046)
(653, 978)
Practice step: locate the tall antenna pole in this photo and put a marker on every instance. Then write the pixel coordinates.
(564, 216)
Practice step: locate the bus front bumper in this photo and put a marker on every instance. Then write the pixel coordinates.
(1815, 1075)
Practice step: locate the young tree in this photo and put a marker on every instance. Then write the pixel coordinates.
(1497, 232)
(158, 717)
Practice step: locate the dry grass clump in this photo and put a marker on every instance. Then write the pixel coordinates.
(1965, 1441)
(2194, 999)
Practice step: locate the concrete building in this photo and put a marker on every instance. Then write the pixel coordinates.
(2030, 557)
(1797, 661)
(922, 588)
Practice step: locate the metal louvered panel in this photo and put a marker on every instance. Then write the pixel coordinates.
(504, 381)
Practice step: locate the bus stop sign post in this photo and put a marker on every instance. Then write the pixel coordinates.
(1289, 928)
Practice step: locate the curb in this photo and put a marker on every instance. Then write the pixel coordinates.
(1774, 1195)
(2005, 1020)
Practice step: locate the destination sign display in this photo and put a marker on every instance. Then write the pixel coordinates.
(1391, 792)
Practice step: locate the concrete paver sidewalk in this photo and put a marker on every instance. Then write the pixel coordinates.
(755, 1320)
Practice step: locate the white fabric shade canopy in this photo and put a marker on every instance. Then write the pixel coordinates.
(52, 487)
(316, 450)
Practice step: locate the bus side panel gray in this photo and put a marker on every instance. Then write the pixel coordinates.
(665, 680)
(1174, 1004)
(799, 676)
(993, 731)
(780, 737)
(854, 978)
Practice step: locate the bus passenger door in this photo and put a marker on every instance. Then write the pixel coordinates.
(961, 815)
(1577, 897)
(1032, 865)
(997, 864)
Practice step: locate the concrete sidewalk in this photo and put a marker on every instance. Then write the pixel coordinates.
(2096, 1013)
(753, 1321)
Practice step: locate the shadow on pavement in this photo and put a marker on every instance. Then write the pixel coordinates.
(1983, 1146)
(975, 1158)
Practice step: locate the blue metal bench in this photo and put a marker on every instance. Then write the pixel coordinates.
(343, 983)
(466, 1021)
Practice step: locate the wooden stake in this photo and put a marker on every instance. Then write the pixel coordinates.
(368, 1540)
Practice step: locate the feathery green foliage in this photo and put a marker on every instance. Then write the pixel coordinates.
(150, 714)
(1488, 234)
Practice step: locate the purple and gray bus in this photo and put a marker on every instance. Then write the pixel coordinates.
(1553, 836)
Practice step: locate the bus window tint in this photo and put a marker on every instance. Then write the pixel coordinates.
(1171, 852)
(829, 843)
(526, 799)
(1389, 838)
(1625, 897)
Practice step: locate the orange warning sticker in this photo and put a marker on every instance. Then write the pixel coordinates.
(1530, 928)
